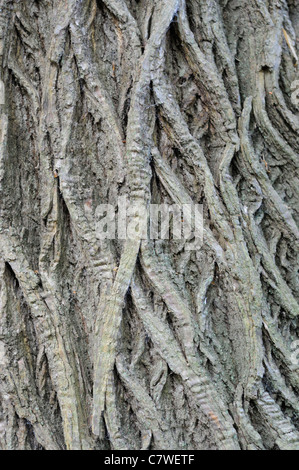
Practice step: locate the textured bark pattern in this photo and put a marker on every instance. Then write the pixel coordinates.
(135, 344)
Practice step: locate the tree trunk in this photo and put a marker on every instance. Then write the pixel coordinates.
(139, 343)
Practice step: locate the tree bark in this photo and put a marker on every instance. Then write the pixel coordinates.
(143, 344)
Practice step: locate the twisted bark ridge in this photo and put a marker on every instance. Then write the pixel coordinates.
(142, 344)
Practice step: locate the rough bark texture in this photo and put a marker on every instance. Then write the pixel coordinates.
(135, 344)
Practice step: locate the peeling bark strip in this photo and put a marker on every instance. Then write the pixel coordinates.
(106, 344)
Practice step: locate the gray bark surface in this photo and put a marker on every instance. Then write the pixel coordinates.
(110, 344)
